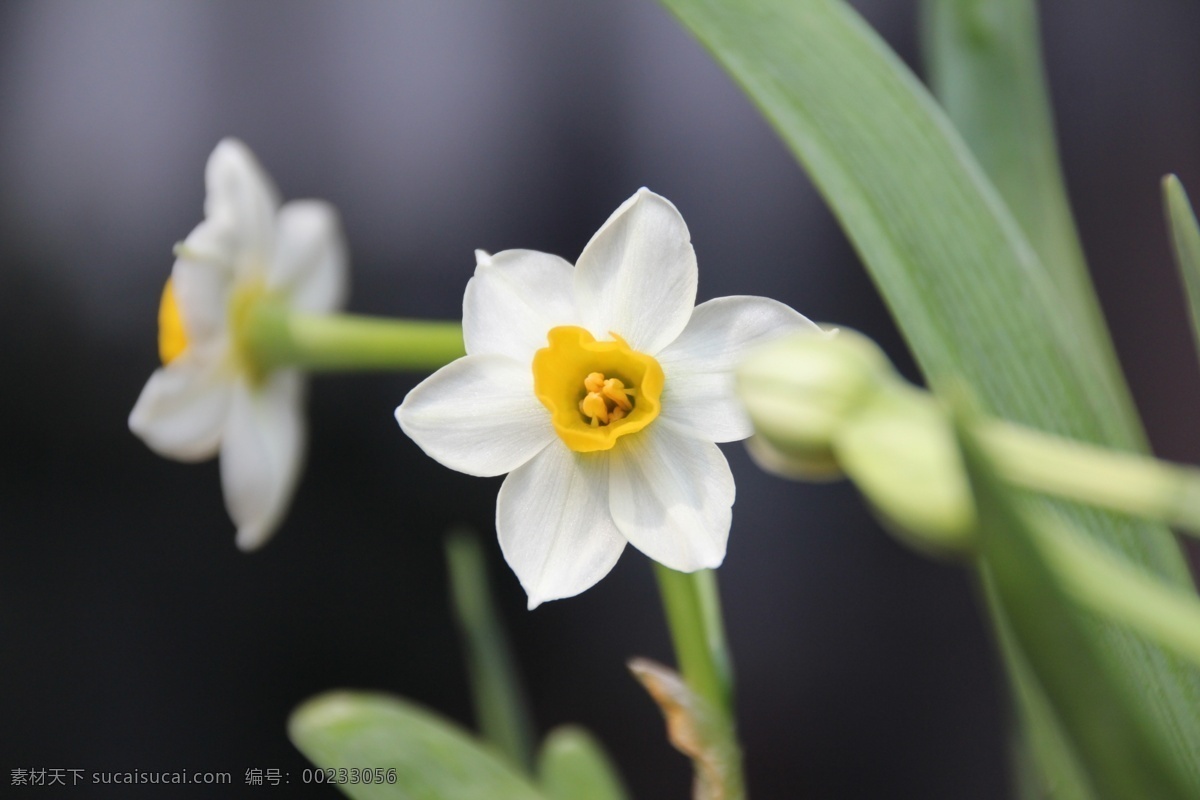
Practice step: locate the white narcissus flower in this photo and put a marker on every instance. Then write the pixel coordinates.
(601, 389)
(209, 396)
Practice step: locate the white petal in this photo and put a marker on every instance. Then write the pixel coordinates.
(705, 406)
(202, 292)
(241, 203)
(210, 242)
(554, 525)
(182, 409)
(637, 276)
(478, 415)
(515, 298)
(310, 265)
(671, 496)
(721, 331)
(699, 395)
(261, 454)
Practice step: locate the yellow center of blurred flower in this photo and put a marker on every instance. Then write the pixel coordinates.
(243, 302)
(596, 392)
(172, 336)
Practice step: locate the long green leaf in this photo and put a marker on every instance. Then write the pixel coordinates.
(1045, 762)
(968, 291)
(1185, 237)
(983, 59)
(431, 758)
(499, 697)
(1122, 749)
(985, 67)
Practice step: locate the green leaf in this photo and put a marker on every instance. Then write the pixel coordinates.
(1185, 236)
(967, 289)
(969, 292)
(984, 64)
(500, 705)
(1040, 575)
(573, 766)
(1045, 763)
(432, 758)
(985, 67)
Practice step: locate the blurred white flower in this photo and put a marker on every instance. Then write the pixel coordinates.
(209, 396)
(602, 390)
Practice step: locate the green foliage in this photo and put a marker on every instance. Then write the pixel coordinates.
(1034, 570)
(432, 758)
(985, 67)
(968, 290)
(1185, 236)
(573, 766)
(500, 706)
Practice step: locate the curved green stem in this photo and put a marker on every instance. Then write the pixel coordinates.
(1111, 587)
(276, 337)
(1124, 482)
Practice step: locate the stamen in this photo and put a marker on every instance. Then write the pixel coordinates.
(595, 409)
(573, 377)
(594, 382)
(607, 399)
(615, 390)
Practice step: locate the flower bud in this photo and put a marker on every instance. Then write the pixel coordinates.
(901, 452)
(801, 390)
(824, 406)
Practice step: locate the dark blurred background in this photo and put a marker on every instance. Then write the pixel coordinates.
(136, 636)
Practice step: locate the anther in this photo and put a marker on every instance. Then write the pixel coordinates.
(615, 390)
(594, 408)
(594, 382)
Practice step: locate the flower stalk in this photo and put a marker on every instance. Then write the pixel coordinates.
(276, 337)
(1124, 482)
(1106, 584)
(698, 634)
(693, 610)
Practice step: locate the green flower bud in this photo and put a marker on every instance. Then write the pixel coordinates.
(901, 452)
(801, 390)
(824, 406)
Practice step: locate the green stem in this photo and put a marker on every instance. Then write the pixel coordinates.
(1109, 586)
(693, 610)
(501, 709)
(694, 617)
(277, 338)
(1113, 480)
(709, 598)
